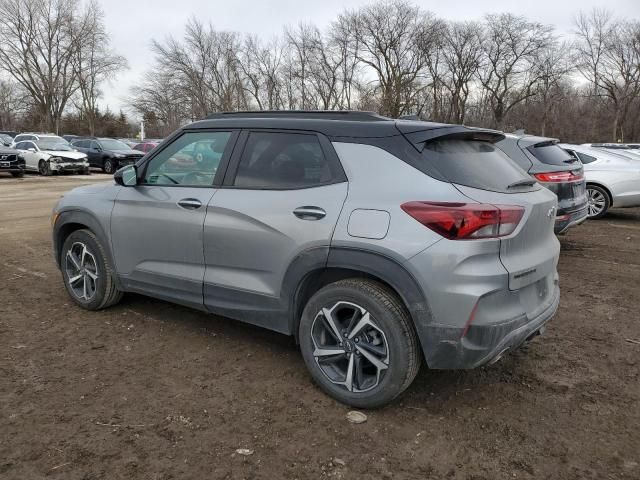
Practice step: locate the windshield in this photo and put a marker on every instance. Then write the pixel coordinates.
(551, 154)
(54, 143)
(476, 164)
(111, 144)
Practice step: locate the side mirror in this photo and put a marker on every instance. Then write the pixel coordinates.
(127, 176)
(31, 149)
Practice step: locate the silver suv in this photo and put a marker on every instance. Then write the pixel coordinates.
(377, 243)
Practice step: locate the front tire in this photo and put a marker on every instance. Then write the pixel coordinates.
(599, 202)
(44, 168)
(88, 276)
(358, 342)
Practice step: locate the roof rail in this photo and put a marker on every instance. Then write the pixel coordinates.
(352, 115)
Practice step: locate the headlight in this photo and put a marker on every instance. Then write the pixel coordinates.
(118, 155)
(55, 159)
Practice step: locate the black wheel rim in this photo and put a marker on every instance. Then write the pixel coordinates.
(350, 349)
(108, 167)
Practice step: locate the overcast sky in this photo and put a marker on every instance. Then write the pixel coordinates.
(133, 24)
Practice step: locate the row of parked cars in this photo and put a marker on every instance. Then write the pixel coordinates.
(50, 154)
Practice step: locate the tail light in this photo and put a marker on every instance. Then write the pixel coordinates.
(559, 177)
(466, 221)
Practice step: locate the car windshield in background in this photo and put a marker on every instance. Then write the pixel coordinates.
(55, 144)
(476, 164)
(551, 154)
(109, 144)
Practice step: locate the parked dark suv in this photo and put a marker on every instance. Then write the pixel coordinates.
(107, 153)
(555, 169)
(377, 243)
(11, 162)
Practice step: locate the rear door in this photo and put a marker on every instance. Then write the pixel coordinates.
(156, 226)
(280, 202)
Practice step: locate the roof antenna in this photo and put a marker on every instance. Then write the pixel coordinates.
(520, 131)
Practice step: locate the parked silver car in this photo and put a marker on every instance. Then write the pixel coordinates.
(377, 243)
(613, 180)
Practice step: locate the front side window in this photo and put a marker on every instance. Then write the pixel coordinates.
(283, 161)
(191, 160)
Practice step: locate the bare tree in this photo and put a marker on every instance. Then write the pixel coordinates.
(393, 37)
(510, 45)
(94, 63)
(552, 67)
(609, 52)
(261, 66)
(461, 54)
(12, 103)
(40, 39)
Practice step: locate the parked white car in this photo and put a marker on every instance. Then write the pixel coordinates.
(617, 148)
(49, 154)
(613, 180)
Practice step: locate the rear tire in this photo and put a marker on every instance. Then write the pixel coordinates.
(599, 202)
(88, 276)
(383, 355)
(108, 166)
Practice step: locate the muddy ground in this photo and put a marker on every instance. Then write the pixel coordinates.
(152, 390)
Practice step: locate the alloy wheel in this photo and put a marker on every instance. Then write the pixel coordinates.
(349, 347)
(597, 202)
(81, 270)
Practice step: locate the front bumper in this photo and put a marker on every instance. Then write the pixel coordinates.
(69, 166)
(485, 344)
(567, 220)
(12, 166)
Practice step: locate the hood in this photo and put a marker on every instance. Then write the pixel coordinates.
(128, 152)
(7, 150)
(92, 189)
(66, 154)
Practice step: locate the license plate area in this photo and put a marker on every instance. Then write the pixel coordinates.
(5, 164)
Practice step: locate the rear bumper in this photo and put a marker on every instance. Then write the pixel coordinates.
(484, 344)
(567, 220)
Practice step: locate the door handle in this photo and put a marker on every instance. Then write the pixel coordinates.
(309, 213)
(190, 203)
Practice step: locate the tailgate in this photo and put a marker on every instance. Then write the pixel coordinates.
(531, 253)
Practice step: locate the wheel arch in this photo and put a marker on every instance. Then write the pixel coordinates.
(604, 187)
(73, 220)
(343, 263)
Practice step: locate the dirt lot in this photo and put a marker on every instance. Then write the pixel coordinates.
(156, 391)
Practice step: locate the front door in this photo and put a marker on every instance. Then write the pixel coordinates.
(278, 207)
(157, 225)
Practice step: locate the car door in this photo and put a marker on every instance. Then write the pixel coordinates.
(279, 205)
(29, 151)
(156, 226)
(94, 153)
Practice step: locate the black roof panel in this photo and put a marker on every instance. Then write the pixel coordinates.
(334, 124)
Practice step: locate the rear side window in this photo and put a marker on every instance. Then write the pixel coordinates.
(273, 160)
(584, 158)
(476, 164)
(551, 154)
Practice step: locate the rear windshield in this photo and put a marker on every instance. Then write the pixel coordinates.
(551, 154)
(476, 164)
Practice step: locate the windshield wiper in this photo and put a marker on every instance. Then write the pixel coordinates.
(522, 183)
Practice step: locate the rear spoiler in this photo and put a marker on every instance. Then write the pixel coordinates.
(419, 137)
